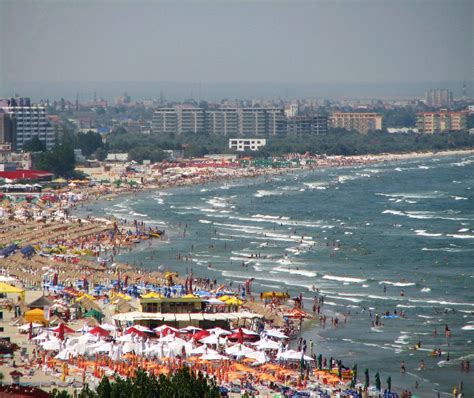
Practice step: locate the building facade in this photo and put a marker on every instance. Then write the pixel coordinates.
(438, 122)
(307, 125)
(362, 122)
(246, 144)
(28, 121)
(222, 121)
(438, 98)
(7, 128)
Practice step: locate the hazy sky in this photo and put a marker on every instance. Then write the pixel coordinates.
(237, 41)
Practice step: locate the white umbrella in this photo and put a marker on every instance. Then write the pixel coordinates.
(43, 336)
(64, 354)
(108, 327)
(294, 355)
(276, 334)
(26, 326)
(202, 350)
(213, 357)
(211, 339)
(104, 347)
(259, 356)
(267, 345)
(125, 338)
(234, 348)
(189, 328)
(219, 331)
(52, 345)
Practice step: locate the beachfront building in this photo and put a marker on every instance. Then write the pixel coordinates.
(184, 311)
(362, 122)
(178, 120)
(221, 121)
(438, 122)
(29, 121)
(224, 121)
(307, 125)
(247, 144)
(438, 98)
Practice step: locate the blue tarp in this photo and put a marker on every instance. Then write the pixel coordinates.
(28, 250)
(8, 250)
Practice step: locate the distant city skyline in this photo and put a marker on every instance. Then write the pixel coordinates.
(281, 44)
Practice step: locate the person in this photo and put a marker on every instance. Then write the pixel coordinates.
(402, 367)
(422, 365)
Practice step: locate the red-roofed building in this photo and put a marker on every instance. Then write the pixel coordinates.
(27, 175)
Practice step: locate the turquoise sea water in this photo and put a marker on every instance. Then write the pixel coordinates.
(406, 225)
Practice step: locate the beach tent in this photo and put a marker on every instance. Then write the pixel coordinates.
(36, 315)
(8, 289)
(40, 302)
(95, 314)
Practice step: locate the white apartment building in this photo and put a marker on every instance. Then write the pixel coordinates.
(30, 121)
(223, 121)
(246, 144)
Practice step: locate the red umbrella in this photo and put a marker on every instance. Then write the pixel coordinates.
(136, 331)
(166, 331)
(98, 331)
(240, 336)
(200, 335)
(62, 329)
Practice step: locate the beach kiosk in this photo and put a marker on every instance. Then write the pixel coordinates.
(5, 288)
(35, 315)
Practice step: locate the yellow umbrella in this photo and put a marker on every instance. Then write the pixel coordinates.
(152, 295)
(234, 301)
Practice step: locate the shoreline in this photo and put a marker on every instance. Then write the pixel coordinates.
(137, 272)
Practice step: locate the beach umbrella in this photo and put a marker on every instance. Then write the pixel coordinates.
(276, 334)
(367, 379)
(200, 335)
(389, 383)
(219, 331)
(378, 385)
(98, 331)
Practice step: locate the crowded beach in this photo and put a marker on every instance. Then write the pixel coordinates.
(73, 314)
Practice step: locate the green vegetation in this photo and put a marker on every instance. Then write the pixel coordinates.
(181, 384)
(60, 160)
(336, 142)
(34, 145)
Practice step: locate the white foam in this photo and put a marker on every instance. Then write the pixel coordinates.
(400, 284)
(461, 236)
(423, 215)
(426, 289)
(459, 198)
(422, 232)
(468, 327)
(310, 274)
(205, 222)
(343, 279)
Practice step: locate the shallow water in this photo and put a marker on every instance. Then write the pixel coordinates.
(348, 231)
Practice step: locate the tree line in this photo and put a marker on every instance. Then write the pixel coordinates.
(183, 383)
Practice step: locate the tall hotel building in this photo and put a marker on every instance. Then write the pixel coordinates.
(360, 122)
(222, 121)
(28, 121)
(438, 122)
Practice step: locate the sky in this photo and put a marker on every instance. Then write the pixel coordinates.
(223, 41)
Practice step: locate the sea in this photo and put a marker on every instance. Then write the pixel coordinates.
(395, 236)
